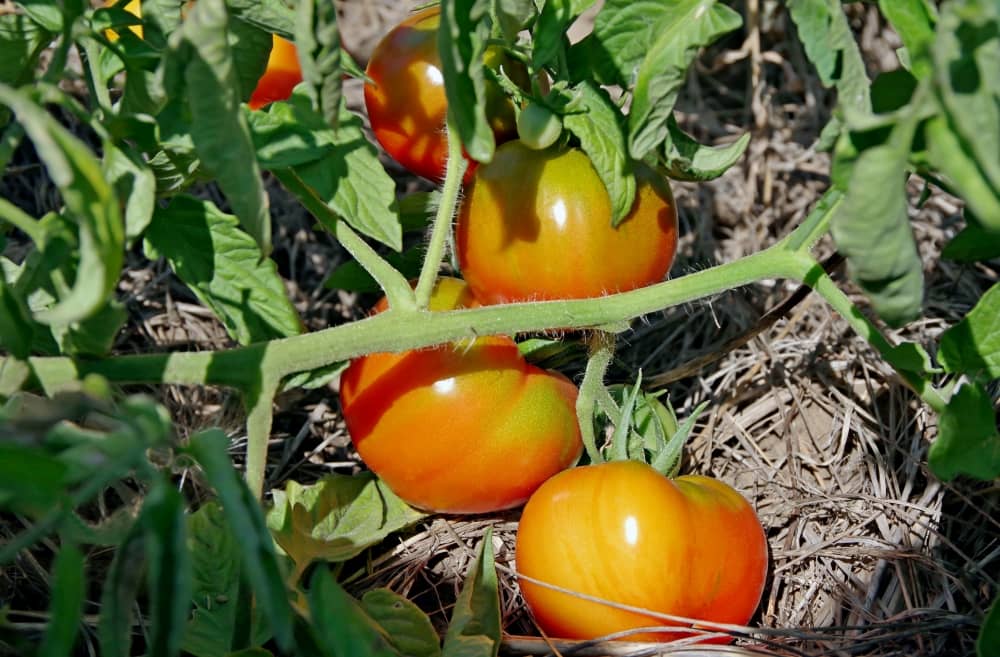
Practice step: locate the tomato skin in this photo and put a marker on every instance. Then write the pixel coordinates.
(280, 76)
(406, 104)
(469, 427)
(537, 225)
(621, 531)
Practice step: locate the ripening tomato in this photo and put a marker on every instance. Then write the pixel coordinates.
(469, 427)
(621, 531)
(280, 76)
(406, 104)
(537, 225)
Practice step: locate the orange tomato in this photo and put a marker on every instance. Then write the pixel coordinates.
(469, 427)
(536, 224)
(280, 76)
(621, 531)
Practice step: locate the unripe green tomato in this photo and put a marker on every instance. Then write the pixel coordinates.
(538, 127)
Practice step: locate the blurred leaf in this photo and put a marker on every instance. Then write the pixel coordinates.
(350, 180)
(911, 357)
(45, 13)
(914, 23)
(872, 229)
(121, 586)
(679, 30)
(965, 142)
(599, 130)
(973, 243)
(16, 327)
(474, 630)
(968, 441)
(512, 16)
(135, 185)
(973, 345)
(245, 519)
(89, 201)
(417, 209)
(68, 590)
(340, 626)
(336, 518)
(269, 15)
(251, 652)
(21, 40)
(215, 560)
(549, 33)
(408, 629)
(200, 66)
(551, 354)
(352, 277)
(988, 643)
(686, 159)
(829, 43)
(32, 481)
(317, 40)
(169, 563)
(251, 48)
(313, 379)
(462, 35)
(224, 268)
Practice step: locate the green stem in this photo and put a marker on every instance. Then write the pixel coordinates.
(21, 220)
(816, 223)
(96, 81)
(454, 172)
(602, 350)
(259, 403)
(396, 287)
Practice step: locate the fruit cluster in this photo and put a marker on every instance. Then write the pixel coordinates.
(471, 427)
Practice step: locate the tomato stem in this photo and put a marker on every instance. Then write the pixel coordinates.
(602, 350)
(454, 171)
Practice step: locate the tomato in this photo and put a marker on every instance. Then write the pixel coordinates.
(469, 427)
(406, 104)
(621, 531)
(280, 76)
(537, 225)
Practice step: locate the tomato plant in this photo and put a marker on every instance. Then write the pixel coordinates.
(280, 76)
(537, 225)
(467, 427)
(406, 101)
(621, 531)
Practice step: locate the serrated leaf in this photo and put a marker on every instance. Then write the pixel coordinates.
(968, 441)
(200, 66)
(224, 268)
(686, 159)
(462, 35)
(341, 627)
(215, 560)
(408, 628)
(135, 184)
(597, 126)
(317, 40)
(284, 136)
(474, 630)
(830, 46)
(350, 180)
(270, 15)
(973, 345)
(872, 229)
(246, 520)
(336, 518)
(684, 26)
(68, 588)
(89, 201)
(973, 243)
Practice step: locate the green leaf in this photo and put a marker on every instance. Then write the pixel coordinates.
(973, 345)
(89, 201)
(686, 159)
(512, 16)
(316, 378)
(285, 137)
(973, 243)
(951, 155)
(549, 33)
(245, 519)
(224, 268)
(200, 66)
(340, 625)
(462, 35)
(913, 22)
(968, 442)
(68, 589)
(408, 628)
(45, 13)
(121, 586)
(336, 518)
(21, 40)
(215, 560)
(31, 480)
(350, 180)
(318, 42)
(135, 185)
(251, 47)
(601, 137)
(911, 357)
(988, 643)
(16, 327)
(682, 28)
(352, 277)
(830, 46)
(169, 563)
(270, 15)
(872, 229)
(474, 630)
